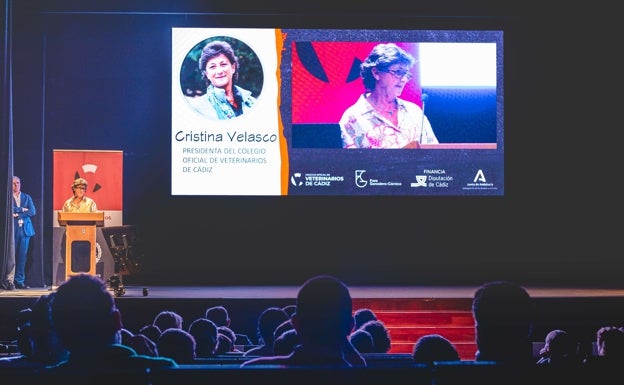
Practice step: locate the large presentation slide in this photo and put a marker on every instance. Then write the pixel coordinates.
(218, 149)
(337, 112)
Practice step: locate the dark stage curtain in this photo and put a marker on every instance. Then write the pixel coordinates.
(6, 151)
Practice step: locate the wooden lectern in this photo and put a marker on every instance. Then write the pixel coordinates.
(80, 243)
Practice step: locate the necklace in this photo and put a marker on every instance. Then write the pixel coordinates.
(390, 110)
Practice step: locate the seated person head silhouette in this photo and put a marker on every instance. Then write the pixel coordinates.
(324, 314)
(323, 321)
(89, 325)
(503, 316)
(434, 347)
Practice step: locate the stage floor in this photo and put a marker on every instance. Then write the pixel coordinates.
(288, 292)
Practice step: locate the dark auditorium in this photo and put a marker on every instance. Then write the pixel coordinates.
(289, 191)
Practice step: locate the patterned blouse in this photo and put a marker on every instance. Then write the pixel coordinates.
(86, 205)
(361, 126)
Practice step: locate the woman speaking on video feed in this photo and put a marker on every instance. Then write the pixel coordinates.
(380, 118)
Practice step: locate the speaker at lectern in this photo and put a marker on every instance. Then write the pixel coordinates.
(80, 242)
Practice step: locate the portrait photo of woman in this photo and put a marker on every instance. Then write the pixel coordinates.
(221, 78)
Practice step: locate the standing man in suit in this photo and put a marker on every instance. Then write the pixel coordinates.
(23, 211)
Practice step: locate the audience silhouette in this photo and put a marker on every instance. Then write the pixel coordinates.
(204, 331)
(290, 309)
(151, 331)
(434, 347)
(224, 344)
(559, 348)
(282, 328)
(76, 335)
(142, 345)
(503, 315)
(323, 320)
(177, 344)
(168, 319)
(125, 335)
(89, 324)
(268, 321)
(362, 316)
(24, 340)
(362, 341)
(221, 317)
(38, 342)
(286, 342)
(381, 337)
(609, 345)
(605, 366)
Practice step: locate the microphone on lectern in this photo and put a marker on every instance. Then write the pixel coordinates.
(423, 98)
